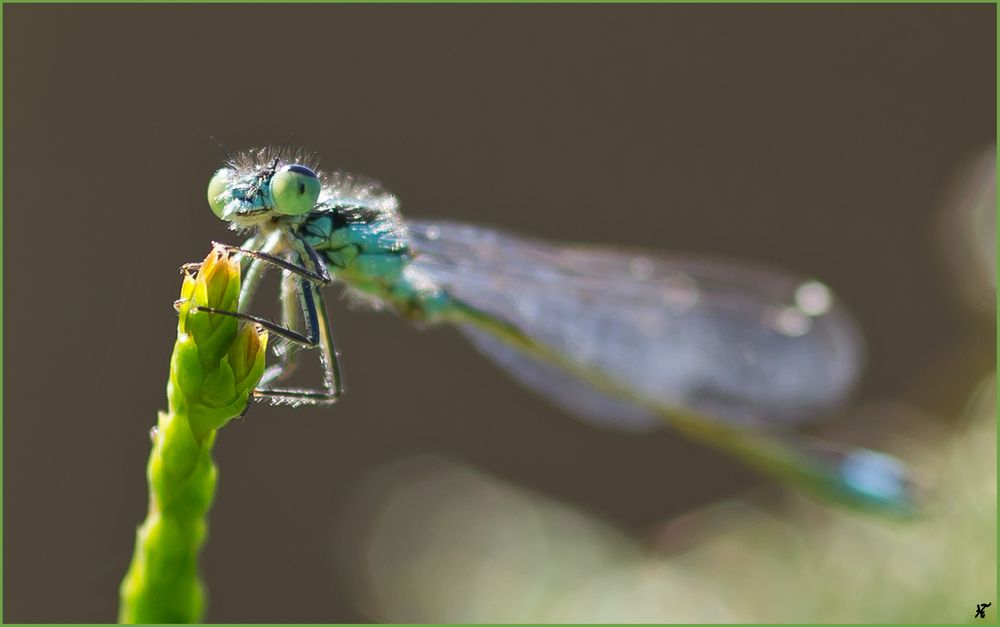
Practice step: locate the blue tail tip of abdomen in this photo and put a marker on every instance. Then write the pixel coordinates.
(879, 480)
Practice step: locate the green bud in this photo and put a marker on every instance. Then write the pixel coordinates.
(246, 356)
(217, 360)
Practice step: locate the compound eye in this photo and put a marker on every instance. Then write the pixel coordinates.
(218, 188)
(295, 189)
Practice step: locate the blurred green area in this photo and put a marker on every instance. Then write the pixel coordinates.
(440, 542)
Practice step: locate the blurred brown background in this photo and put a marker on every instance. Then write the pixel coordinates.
(822, 139)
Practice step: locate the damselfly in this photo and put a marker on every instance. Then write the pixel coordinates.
(726, 352)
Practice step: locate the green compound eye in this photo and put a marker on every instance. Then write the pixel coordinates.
(295, 189)
(217, 187)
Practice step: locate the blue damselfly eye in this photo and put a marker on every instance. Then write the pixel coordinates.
(294, 189)
(217, 188)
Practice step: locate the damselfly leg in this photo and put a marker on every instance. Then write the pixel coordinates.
(320, 276)
(302, 284)
(314, 313)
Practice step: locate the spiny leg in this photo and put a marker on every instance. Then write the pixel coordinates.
(259, 260)
(321, 275)
(314, 313)
(316, 335)
(317, 332)
(308, 341)
(305, 308)
(254, 263)
(333, 377)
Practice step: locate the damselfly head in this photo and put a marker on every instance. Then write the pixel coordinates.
(258, 186)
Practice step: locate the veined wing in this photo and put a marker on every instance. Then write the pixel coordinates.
(740, 344)
(631, 341)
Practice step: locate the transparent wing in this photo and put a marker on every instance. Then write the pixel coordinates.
(709, 347)
(741, 344)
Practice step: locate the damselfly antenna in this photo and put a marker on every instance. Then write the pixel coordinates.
(229, 157)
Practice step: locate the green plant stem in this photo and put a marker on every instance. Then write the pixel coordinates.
(216, 363)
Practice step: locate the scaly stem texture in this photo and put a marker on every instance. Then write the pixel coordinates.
(216, 363)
